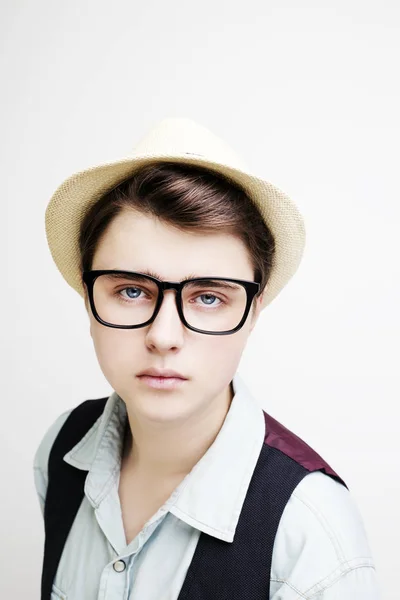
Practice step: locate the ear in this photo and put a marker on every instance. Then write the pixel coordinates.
(87, 306)
(86, 298)
(255, 312)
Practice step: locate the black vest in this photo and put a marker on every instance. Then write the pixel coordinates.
(220, 570)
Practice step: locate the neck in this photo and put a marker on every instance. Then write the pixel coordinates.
(172, 451)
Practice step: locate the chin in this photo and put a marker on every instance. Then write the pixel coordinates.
(164, 412)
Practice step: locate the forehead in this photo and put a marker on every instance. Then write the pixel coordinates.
(137, 242)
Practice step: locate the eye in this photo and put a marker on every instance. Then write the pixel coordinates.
(129, 294)
(211, 297)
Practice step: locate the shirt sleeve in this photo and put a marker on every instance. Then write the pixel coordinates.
(41, 457)
(360, 582)
(321, 549)
(41, 487)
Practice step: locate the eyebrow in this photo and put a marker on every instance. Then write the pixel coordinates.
(205, 278)
(154, 274)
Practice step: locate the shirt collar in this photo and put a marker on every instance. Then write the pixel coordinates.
(211, 496)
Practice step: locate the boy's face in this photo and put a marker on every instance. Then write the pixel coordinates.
(137, 242)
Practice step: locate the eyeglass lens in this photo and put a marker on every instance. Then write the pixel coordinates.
(209, 305)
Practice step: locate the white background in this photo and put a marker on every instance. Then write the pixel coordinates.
(308, 93)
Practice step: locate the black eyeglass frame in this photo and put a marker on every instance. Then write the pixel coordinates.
(89, 278)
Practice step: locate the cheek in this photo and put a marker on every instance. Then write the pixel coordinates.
(116, 352)
(219, 356)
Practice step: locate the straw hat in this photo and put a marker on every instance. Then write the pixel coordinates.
(184, 141)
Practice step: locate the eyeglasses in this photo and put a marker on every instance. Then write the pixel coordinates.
(129, 300)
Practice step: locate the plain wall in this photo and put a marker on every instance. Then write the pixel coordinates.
(308, 93)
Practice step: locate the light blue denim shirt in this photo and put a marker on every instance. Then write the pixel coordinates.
(321, 550)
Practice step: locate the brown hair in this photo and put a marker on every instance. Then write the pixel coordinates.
(187, 197)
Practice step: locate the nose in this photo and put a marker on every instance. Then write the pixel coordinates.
(167, 329)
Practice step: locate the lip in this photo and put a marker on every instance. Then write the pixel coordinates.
(161, 383)
(162, 373)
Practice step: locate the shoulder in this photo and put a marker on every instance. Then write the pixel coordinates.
(43, 449)
(320, 538)
(41, 457)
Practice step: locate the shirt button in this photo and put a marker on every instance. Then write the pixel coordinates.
(119, 566)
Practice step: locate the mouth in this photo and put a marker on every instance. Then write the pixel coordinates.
(158, 382)
(153, 372)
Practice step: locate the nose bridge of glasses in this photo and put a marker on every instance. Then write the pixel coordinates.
(171, 285)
